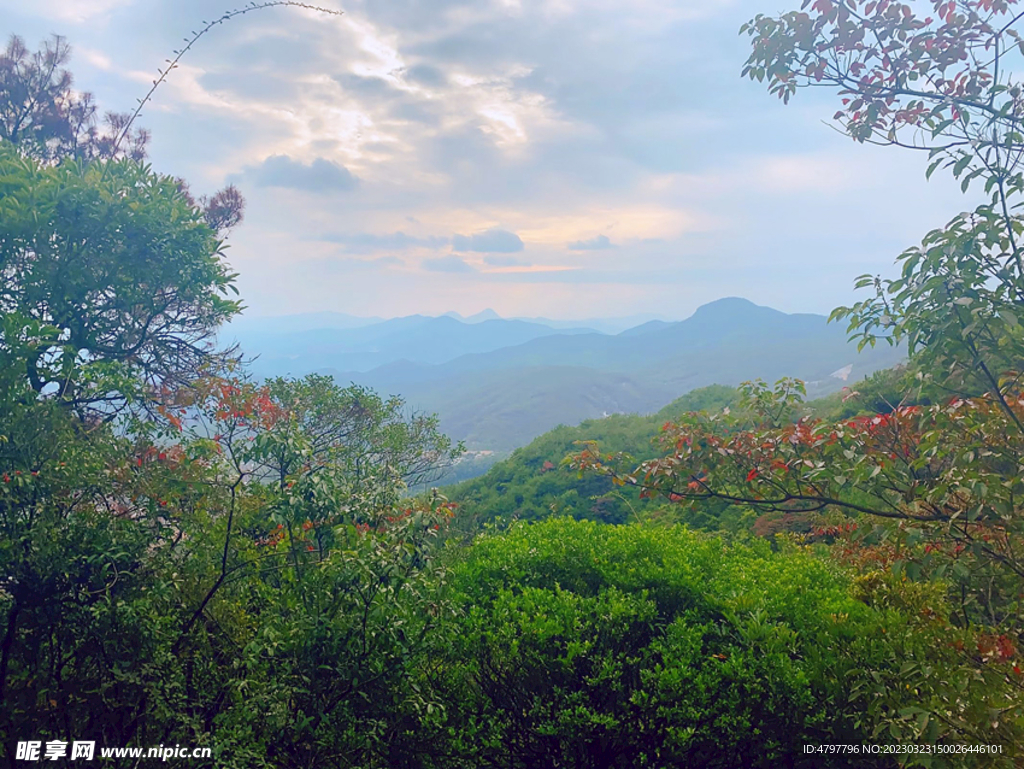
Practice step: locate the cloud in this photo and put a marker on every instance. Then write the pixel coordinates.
(550, 121)
(350, 265)
(596, 243)
(819, 172)
(425, 74)
(321, 175)
(80, 11)
(361, 242)
(447, 264)
(491, 241)
(504, 261)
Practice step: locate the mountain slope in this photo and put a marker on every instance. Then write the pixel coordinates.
(532, 483)
(417, 338)
(499, 383)
(295, 323)
(500, 399)
(726, 329)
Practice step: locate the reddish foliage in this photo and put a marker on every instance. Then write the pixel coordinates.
(770, 524)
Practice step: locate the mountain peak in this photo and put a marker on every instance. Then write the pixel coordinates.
(727, 303)
(483, 315)
(733, 309)
(480, 317)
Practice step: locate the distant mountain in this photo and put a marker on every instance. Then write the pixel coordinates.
(646, 328)
(500, 399)
(278, 324)
(292, 347)
(601, 325)
(480, 317)
(502, 409)
(292, 323)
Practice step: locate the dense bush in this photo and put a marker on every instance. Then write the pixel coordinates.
(590, 645)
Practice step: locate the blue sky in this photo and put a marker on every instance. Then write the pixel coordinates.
(565, 158)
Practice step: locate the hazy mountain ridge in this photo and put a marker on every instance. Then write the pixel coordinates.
(416, 338)
(504, 397)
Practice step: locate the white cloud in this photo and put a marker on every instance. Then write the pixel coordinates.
(574, 124)
(78, 11)
(808, 173)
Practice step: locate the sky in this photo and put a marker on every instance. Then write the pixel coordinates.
(558, 158)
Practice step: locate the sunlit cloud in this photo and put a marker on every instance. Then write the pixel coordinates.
(596, 243)
(494, 241)
(519, 269)
(548, 157)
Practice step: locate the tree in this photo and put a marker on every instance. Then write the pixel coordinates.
(367, 434)
(113, 283)
(281, 623)
(40, 112)
(316, 456)
(48, 120)
(944, 84)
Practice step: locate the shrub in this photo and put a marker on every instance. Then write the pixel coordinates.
(584, 645)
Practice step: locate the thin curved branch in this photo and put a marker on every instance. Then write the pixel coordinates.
(196, 36)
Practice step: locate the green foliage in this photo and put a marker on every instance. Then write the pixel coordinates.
(329, 664)
(955, 304)
(75, 590)
(113, 283)
(534, 482)
(711, 399)
(592, 645)
(361, 431)
(158, 588)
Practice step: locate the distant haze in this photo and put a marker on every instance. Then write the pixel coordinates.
(497, 383)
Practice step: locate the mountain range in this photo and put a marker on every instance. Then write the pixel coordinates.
(415, 338)
(499, 383)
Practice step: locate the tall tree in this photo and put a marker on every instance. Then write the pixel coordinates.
(113, 283)
(943, 82)
(40, 112)
(50, 121)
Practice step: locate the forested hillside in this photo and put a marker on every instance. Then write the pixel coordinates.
(534, 483)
